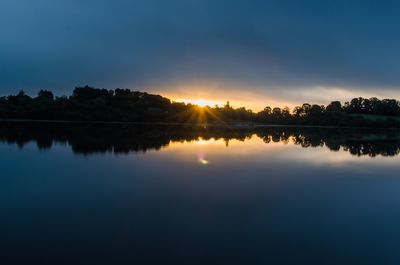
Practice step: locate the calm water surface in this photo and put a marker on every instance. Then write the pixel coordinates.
(123, 195)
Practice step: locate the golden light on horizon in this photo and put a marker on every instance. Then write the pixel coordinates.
(200, 102)
(201, 141)
(204, 93)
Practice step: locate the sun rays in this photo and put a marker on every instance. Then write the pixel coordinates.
(199, 115)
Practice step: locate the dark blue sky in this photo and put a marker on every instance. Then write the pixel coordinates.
(275, 51)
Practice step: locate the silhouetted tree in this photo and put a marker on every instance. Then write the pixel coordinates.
(45, 95)
(93, 104)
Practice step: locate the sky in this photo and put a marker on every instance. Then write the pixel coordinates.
(250, 52)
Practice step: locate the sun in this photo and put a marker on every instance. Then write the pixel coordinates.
(200, 102)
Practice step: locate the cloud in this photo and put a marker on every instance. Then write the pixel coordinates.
(285, 48)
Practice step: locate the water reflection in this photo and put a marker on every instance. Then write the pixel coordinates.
(117, 139)
(265, 196)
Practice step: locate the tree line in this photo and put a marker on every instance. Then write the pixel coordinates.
(90, 139)
(123, 105)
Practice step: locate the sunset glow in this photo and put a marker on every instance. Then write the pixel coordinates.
(201, 102)
(208, 93)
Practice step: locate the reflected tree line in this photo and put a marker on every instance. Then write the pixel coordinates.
(124, 139)
(123, 105)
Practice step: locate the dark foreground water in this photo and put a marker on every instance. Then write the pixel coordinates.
(170, 195)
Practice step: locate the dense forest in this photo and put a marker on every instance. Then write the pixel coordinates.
(123, 105)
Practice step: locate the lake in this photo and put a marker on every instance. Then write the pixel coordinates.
(120, 194)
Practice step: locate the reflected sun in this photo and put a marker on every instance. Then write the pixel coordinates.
(202, 141)
(201, 158)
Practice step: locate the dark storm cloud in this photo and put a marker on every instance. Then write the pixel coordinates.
(139, 44)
